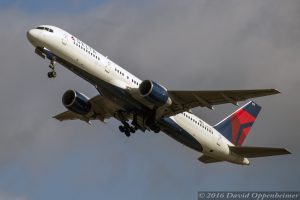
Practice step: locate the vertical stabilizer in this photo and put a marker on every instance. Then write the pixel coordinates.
(236, 126)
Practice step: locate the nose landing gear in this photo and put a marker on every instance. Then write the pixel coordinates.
(52, 73)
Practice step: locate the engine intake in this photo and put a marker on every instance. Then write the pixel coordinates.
(154, 93)
(76, 102)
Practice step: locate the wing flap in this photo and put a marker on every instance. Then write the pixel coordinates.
(252, 152)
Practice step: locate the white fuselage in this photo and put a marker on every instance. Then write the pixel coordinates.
(74, 51)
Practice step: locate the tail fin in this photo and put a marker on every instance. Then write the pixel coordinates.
(236, 126)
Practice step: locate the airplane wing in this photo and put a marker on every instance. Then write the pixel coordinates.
(185, 100)
(253, 152)
(101, 107)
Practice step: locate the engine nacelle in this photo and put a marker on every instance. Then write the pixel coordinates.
(154, 93)
(76, 102)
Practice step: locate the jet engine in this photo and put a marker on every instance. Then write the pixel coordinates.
(76, 102)
(154, 93)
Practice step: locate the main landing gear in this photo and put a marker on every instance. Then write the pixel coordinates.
(127, 129)
(52, 73)
(155, 128)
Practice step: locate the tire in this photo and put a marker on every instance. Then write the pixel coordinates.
(132, 129)
(53, 74)
(127, 133)
(122, 129)
(156, 130)
(50, 75)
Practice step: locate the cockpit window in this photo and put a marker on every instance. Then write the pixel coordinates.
(45, 28)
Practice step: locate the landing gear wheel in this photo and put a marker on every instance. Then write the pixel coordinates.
(53, 74)
(127, 129)
(132, 129)
(127, 133)
(157, 130)
(50, 75)
(122, 129)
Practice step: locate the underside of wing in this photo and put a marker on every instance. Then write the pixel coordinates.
(68, 115)
(252, 152)
(185, 100)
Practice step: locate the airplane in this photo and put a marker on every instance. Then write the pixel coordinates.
(147, 105)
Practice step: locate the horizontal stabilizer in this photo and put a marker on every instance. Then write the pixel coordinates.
(68, 115)
(206, 159)
(252, 152)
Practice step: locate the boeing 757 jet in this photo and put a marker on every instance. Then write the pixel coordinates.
(147, 105)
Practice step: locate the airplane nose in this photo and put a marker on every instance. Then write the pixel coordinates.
(30, 35)
(34, 37)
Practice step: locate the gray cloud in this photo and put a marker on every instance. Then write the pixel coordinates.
(183, 45)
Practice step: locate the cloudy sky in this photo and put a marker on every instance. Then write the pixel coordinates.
(192, 44)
